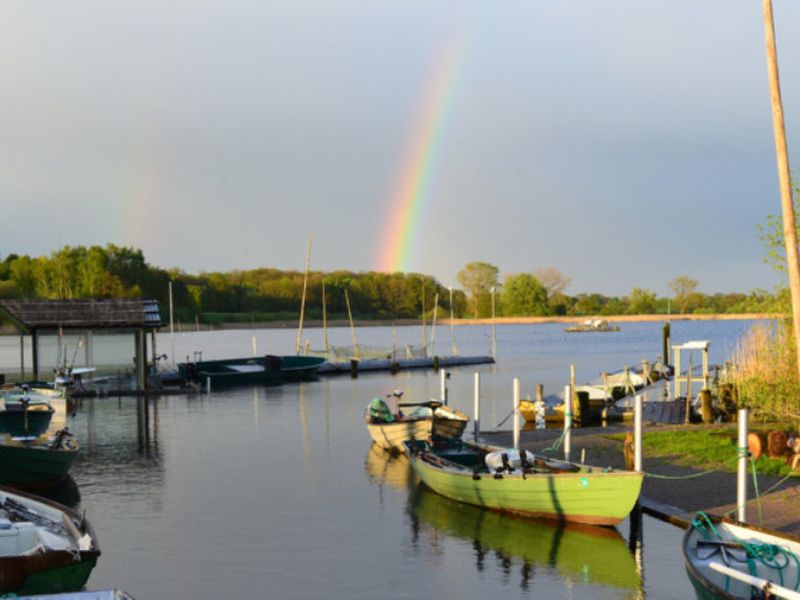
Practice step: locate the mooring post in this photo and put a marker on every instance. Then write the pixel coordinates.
(637, 433)
(741, 472)
(665, 335)
(477, 404)
(516, 412)
(567, 421)
(208, 385)
(443, 386)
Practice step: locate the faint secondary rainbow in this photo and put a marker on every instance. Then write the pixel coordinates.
(412, 190)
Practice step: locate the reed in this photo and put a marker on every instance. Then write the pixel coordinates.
(765, 373)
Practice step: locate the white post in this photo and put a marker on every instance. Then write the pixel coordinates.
(443, 386)
(494, 325)
(741, 473)
(637, 433)
(208, 385)
(567, 421)
(255, 347)
(477, 404)
(516, 412)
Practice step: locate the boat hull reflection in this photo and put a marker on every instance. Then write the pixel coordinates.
(597, 555)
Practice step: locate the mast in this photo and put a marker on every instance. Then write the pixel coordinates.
(352, 327)
(324, 321)
(784, 178)
(303, 301)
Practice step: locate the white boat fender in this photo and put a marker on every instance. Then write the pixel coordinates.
(508, 460)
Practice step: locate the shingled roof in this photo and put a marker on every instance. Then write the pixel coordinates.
(82, 314)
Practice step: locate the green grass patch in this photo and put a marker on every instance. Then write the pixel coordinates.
(702, 448)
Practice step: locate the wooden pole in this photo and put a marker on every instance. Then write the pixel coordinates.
(303, 300)
(325, 322)
(784, 178)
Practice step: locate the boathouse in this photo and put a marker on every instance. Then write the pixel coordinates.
(37, 317)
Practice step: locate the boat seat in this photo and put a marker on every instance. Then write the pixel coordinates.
(17, 538)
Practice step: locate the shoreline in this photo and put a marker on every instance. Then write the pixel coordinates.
(317, 323)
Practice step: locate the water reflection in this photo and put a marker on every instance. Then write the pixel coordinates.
(384, 468)
(579, 553)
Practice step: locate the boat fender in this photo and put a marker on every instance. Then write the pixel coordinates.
(475, 475)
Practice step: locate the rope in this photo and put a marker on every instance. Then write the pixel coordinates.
(691, 475)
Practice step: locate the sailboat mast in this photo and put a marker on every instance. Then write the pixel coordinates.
(324, 321)
(303, 301)
(352, 327)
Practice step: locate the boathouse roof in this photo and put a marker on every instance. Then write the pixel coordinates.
(31, 315)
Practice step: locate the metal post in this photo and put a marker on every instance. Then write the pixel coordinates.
(35, 354)
(477, 404)
(494, 326)
(452, 326)
(567, 421)
(516, 412)
(208, 385)
(741, 472)
(443, 386)
(637, 433)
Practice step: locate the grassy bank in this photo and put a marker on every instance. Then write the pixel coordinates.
(703, 448)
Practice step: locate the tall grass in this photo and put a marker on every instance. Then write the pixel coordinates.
(765, 371)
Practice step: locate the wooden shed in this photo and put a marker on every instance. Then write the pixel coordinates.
(35, 317)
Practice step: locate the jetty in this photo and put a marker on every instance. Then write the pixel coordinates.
(393, 366)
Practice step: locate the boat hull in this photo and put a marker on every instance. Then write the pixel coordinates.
(13, 422)
(255, 370)
(596, 497)
(390, 436)
(34, 464)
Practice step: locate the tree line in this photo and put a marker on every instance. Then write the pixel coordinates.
(265, 293)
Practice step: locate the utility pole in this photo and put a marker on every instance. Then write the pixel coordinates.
(784, 178)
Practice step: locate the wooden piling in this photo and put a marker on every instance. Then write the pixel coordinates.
(705, 406)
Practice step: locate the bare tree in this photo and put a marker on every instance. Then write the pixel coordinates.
(683, 286)
(553, 280)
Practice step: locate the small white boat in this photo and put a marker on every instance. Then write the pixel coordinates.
(389, 430)
(725, 559)
(45, 548)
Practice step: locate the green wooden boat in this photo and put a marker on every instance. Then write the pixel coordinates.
(597, 555)
(36, 462)
(532, 485)
(25, 412)
(267, 369)
(45, 548)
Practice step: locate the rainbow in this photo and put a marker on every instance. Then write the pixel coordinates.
(405, 217)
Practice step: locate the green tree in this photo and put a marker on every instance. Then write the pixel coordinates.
(641, 302)
(523, 295)
(684, 288)
(478, 278)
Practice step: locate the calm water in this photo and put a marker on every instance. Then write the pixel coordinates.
(275, 492)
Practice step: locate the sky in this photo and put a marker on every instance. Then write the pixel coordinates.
(622, 142)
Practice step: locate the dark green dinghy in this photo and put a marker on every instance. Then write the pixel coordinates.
(267, 369)
(36, 462)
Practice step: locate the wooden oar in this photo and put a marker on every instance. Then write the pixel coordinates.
(769, 588)
(429, 403)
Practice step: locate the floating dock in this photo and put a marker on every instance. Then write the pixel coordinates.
(386, 364)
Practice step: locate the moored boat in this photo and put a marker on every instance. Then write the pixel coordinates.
(258, 369)
(87, 595)
(389, 430)
(524, 483)
(731, 560)
(26, 461)
(25, 413)
(45, 548)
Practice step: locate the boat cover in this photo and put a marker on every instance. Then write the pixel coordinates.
(379, 411)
